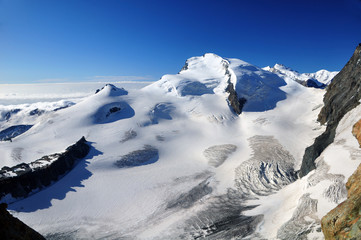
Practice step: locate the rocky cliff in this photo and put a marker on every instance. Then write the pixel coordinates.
(235, 102)
(12, 228)
(342, 95)
(19, 181)
(344, 222)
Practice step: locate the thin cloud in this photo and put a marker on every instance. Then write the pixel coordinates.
(52, 80)
(121, 78)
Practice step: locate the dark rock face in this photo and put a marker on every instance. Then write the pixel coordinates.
(19, 181)
(13, 131)
(235, 102)
(343, 94)
(12, 228)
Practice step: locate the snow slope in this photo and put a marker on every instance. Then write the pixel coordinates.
(172, 160)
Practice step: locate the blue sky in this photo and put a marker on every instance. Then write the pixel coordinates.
(110, 40)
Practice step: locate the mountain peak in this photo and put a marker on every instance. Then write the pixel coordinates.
(279, 66)
(111, 90)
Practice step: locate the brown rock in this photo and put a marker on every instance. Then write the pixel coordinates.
(356, 131)
(344, 221)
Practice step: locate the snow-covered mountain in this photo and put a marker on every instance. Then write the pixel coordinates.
(211, 152)
(319, 79)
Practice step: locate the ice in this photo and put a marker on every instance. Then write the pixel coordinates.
(147, 155)
(216, 155)
(173, 160)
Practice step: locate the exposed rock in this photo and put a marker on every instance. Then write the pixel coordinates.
(343, 94)
(23, 179)
(344, 221)
(12, 228)
(185, 67)
(235, 102)
(356, 131)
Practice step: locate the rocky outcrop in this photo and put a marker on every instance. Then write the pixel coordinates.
(344, 222)
(343, 94)
(356, 131)
(14, 229)
(235, 102)
(23, 179)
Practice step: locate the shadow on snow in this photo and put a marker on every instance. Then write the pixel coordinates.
(58, 190)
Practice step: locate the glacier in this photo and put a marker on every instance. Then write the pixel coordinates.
(175, 160)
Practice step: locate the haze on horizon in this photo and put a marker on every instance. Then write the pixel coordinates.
(75, 41)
